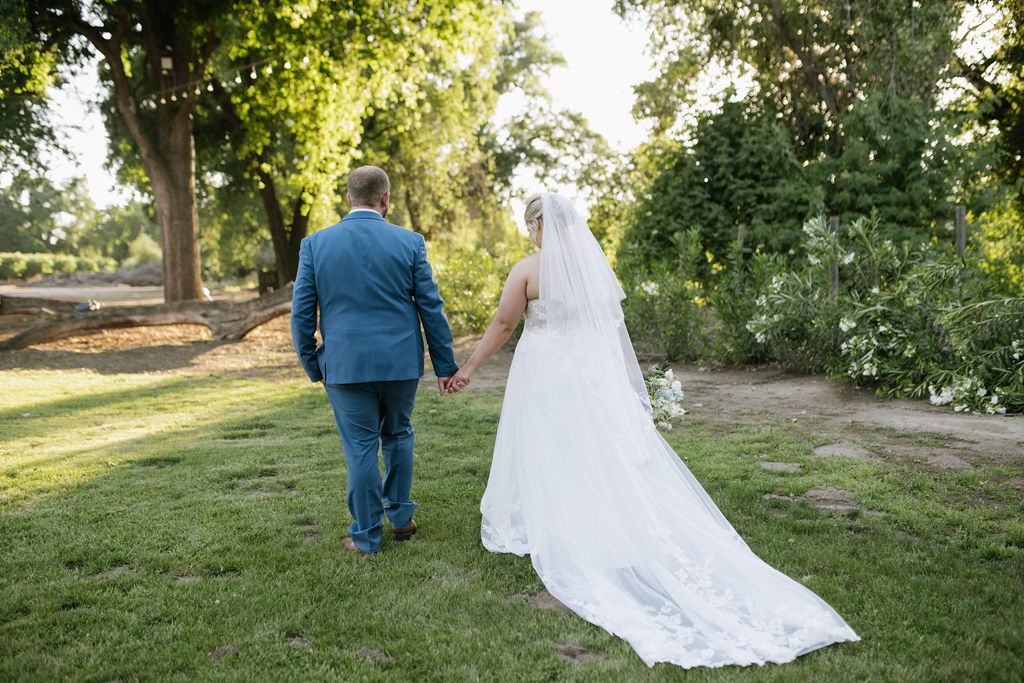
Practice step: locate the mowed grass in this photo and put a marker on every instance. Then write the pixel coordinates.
(189, 527)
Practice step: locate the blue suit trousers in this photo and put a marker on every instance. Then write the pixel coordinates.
(372, 414)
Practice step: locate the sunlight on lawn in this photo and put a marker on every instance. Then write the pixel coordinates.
(151, 521)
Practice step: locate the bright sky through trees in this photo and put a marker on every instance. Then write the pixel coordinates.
(604, 55)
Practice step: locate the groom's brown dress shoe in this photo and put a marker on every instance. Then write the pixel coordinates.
(405, 533)
(351, 545)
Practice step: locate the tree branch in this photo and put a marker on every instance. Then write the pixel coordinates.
(810, 65)
(111, 51)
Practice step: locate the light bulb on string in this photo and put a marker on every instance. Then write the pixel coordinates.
(270, 69)
(252, 73)
(209, 87)
(287, 64)
(199, 90)
(163, 100)
(305, 60)
(238, 78)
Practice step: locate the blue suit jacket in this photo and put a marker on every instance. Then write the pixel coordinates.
(373, 286)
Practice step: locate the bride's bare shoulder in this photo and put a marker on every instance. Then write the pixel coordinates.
(531, 262)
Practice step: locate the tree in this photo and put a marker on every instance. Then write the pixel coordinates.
(996, 90)
(812, 60)
(159, 48)
(37, 216)
(434, 74)
(27, 69)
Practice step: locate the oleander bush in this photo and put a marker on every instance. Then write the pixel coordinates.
(912, 321)
(16, 266)
(470, 279)
(665, 309)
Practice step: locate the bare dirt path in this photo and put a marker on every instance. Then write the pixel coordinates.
(855, 420)
(831, 408)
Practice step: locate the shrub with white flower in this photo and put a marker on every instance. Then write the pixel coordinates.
(965, 393)
(666, 393)
(650, 288)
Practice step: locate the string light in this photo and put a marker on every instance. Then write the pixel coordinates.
(196, 86)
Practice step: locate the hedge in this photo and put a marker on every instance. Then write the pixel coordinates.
(15, 265)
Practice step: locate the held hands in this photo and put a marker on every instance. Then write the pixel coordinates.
(455, 383)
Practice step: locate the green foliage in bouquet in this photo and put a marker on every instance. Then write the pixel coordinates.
(666, 394)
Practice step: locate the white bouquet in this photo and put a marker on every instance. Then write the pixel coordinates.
(666, 394)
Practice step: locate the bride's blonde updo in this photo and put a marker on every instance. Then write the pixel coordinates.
(534, 209)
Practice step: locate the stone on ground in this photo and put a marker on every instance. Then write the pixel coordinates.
(830, 499)
(843, 449)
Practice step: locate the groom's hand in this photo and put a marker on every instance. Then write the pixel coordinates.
(442, 384)
(458, 381)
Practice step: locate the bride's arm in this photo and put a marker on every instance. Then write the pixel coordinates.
(510, 311)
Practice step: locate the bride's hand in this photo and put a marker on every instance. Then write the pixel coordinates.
(458, 381)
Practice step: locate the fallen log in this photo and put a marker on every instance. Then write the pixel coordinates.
(29, 305)
(228, 320)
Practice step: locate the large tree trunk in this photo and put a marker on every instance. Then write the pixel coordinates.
(285, 238)
(174, 191)
(164, 142)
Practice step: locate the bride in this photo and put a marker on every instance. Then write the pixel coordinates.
(616, 526)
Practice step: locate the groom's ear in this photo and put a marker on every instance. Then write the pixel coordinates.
(349, 198)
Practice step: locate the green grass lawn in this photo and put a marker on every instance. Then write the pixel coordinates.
(148, 522)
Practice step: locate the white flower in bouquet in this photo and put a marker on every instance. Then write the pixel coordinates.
(666, 393)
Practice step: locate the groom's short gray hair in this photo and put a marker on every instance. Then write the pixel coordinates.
(367, 185)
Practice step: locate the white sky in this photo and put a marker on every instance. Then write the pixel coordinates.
(605, 58)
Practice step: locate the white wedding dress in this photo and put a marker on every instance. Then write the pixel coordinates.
(616, 526)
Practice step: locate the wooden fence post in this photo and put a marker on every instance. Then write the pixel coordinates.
(961, 229)
(833, 228)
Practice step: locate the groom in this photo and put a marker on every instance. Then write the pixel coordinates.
(373, 286)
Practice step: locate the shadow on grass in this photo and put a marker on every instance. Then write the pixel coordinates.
(222, 525)
(155, 358)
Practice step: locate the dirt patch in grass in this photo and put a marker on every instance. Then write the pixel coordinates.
(111, 572)
(576, 654)
(297, 642)
(222, 652)
(542, 600)
(167, 349)
(375, 656)
(855, 421)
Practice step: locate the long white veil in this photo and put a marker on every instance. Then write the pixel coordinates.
(575, 275)
(616, 526)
